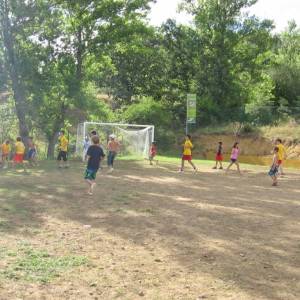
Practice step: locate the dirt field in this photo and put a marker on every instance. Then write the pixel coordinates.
(149, 233)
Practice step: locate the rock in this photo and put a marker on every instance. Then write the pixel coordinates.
(93, 284)
(141, 294)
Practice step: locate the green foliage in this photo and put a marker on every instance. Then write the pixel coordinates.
(260, 108)
(148, 111)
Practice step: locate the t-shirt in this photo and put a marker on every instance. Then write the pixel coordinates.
(5, 148)
(153, 150)
(20, 148)
(187, 148)
(63, 143)
(281, 152)
(86, 145)
(113, 146)
(95, 154)
(275, 161)
(31, 145)
(220, 150)
(235, 153)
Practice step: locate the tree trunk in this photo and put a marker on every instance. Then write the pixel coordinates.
(51, 146)
(12, 64)
(53, 138)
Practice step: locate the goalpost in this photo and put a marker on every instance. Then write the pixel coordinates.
(135, 139)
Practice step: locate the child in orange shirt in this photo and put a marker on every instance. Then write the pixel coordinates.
(5, 149)
(19, 152)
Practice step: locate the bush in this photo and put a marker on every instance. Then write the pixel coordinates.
(148, 111)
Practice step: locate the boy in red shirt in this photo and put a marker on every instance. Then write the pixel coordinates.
(152, 152)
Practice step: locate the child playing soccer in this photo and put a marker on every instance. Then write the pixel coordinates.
(32, 152)
(5, 149)
(19, 152)
(281, 155)
(273, 173)
(94, 156)
(219, 157)
(152, 152)
(187, 153)
(113, 147)
(62, 157)
(234, 157)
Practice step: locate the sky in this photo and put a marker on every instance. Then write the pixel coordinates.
(281, 11)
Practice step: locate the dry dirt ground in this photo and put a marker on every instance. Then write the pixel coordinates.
(149, 233)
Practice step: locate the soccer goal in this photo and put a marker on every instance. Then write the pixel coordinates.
(135, 140)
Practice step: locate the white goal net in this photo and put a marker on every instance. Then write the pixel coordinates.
(135, 140)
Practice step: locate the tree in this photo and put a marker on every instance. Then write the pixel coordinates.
(12, 24)
(225, 36)
(285, 72)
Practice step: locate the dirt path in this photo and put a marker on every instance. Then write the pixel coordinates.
(152, 233)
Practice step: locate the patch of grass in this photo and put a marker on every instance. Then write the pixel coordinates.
(38, 265)
(148, 211)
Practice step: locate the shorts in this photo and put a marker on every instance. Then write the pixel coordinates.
(233, 160)
(90, 174)
(273, 171)
(187, 157)
(62, 155)
(219, 157)
(18, 158)
(31, 153)
(151, 157)
(280, 162)
(5, 156)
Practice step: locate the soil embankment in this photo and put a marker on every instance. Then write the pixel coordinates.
(254, 149)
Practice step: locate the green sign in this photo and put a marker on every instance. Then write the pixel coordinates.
(191, 108)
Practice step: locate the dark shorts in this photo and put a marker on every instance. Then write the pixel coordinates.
(273, 171)
(62, 155)
(31, 153)
(187, 157)
(233, 160)
(90, 174)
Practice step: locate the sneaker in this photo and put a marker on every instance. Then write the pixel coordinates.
(110, 170)
(214, 168)
(221, 168)
(180, 171)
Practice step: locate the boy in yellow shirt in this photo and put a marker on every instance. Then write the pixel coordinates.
(62, 157)
(5, 150)
(281, 155)
(187, 153)
(19, 152)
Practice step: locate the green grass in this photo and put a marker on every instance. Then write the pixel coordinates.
(176, 160)
(31, 265)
